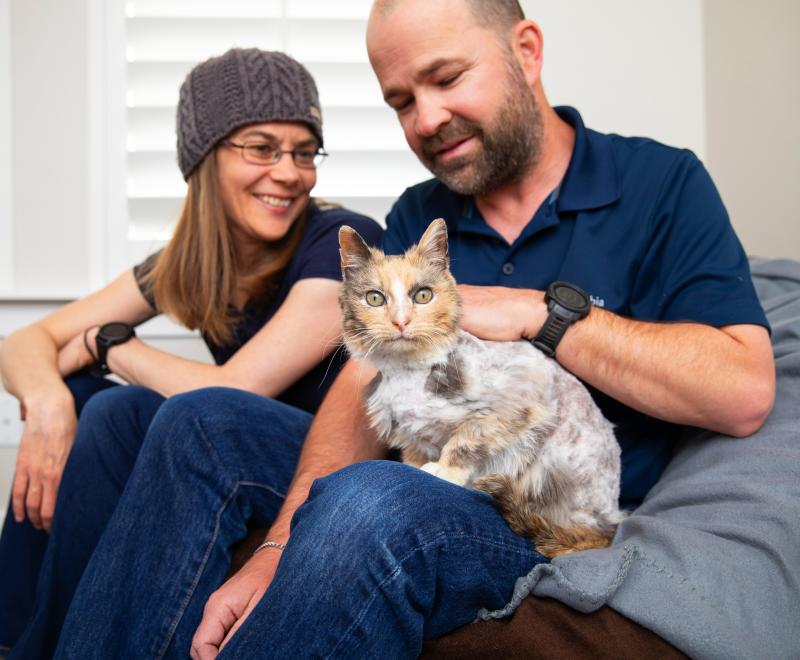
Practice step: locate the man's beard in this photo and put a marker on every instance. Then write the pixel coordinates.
(511, 144)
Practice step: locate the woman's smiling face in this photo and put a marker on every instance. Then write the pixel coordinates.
(262, 201)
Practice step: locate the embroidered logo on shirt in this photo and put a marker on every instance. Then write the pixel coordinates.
(597, 302)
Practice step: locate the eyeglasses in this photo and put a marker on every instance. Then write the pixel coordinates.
(262, 153)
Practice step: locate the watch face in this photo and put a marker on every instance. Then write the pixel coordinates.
(570, 297)
(115, 331)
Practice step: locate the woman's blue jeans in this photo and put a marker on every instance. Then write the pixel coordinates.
(22, 546)
(39, 572)
(381, 555)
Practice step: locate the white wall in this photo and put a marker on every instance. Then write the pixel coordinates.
(49, 146)
(753, 120)
(6, 235)
(618, 63)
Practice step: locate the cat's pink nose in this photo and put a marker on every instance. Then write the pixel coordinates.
(400, 325)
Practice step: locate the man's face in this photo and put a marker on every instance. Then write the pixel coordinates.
(461, 98)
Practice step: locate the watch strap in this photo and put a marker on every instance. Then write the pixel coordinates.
(104, 344)
(566, 304)
(551, 333)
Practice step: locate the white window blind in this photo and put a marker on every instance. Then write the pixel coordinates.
(156, 43)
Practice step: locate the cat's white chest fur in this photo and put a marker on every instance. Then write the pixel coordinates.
(510, 411)
(421, 405)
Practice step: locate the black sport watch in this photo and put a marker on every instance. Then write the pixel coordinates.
(567, 304)
(110, 334)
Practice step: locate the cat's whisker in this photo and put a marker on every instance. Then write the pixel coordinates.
(337, 342)
(340, 346)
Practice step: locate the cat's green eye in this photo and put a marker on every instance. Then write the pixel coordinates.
(375, 298)
(423, 296)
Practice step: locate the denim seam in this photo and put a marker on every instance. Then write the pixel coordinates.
(201, 569)
(436, 539)
(188, 596)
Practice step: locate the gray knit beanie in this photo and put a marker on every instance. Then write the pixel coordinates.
(240, 87)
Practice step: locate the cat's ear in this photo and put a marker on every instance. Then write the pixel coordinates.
(353, 251)
(433, 245)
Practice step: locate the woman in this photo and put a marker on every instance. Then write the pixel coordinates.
(253, 264)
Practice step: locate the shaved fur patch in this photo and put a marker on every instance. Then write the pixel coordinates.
(373, 385)
(445, 379)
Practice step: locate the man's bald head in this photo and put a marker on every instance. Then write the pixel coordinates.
(496, 15)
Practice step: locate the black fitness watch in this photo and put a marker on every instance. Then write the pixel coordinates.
(110, 334)
(567, 304)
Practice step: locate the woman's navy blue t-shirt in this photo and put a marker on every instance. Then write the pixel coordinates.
(316, 256)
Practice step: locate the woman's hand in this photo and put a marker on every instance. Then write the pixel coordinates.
(74, 355)
(45, 444)
(229, 606)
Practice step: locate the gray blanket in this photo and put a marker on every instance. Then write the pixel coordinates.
(711, 560)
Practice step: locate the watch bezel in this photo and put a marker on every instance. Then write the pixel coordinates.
(115, 331)
(553, 296)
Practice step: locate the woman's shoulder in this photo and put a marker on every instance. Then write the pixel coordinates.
(325, 218)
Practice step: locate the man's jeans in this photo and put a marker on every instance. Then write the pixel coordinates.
(381, 554)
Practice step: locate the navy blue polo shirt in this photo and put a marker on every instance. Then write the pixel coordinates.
(638, 225)
(316, 256)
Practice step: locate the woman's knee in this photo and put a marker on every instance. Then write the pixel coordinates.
(116, 418)
(83, 386)
(223, 409)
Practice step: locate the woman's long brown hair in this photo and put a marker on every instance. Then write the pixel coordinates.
(196, 277)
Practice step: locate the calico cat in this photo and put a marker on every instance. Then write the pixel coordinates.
(496, 416)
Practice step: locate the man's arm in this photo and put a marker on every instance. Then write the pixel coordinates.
(722, 379)
(339, 436)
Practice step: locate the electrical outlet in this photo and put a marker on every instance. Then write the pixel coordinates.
(10, 423)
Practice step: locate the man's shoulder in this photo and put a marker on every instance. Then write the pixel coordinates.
(644, 155)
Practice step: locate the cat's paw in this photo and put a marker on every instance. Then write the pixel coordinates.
(454, 475)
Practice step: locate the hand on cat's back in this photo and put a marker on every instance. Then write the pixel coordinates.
(501, 313)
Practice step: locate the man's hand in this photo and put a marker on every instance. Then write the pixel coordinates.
(501, 313)
(231, 604)
(44, 446)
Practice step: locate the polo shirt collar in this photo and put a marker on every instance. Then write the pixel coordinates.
(592, 180)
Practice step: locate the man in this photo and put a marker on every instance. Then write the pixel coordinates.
(381, 555)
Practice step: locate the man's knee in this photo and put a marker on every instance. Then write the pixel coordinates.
(379, 498)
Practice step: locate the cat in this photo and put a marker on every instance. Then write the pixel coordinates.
(495, 416)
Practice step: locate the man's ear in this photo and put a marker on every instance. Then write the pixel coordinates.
(354, 253)
(528, 45)
(432, 247)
